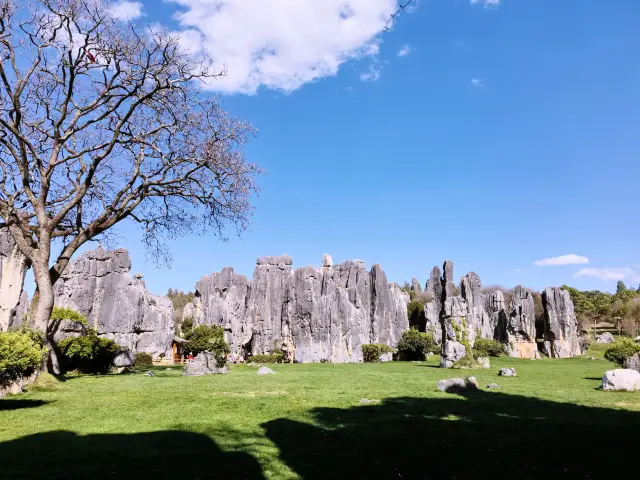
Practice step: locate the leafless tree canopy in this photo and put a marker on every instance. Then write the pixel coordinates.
(101, 121)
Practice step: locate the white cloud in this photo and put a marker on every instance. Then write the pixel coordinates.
(404, 51)
(283, 44)
(476, 82)
(571, 259)
(372, 74)
(126, 11)
(607, 274)
(487, 3)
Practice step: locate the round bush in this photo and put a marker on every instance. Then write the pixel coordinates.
(88, 353)
(620, 351)
(143, 359)
(415, 345)
(488, 348)
(371, 353)
(21, 354)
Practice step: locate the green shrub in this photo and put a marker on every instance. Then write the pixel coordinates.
(88, 353)
(620, 351)
(207, 338)
(415, 345)
(371, 353)
(21, 353)
(275, 357)
(143, 359)
(466, 362)
(186, 326)
(488, 348)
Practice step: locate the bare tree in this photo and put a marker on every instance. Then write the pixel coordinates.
(101, 122)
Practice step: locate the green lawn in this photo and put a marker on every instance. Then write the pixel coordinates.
(307, 422)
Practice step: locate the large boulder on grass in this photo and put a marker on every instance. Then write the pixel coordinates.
(457, 385)
(621, 379)
(606, 337)
(204, 364)
(507, 372)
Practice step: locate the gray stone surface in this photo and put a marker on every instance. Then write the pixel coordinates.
(265, 371)
(204, 363)
(561, 325)
(520, 334)
(276, 260)
(433, 309)
(415, 285)
(327, 261)
(13, 267)
(456, 385)
(507, 372)
(621, 379)
(455, 331)
(497, 311)
(312, 314)
(493, 386)
(125, 358)
(99, 285)
(478, 319)
(633, 362)
(606, 337)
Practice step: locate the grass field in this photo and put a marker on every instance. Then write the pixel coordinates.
(307, 421)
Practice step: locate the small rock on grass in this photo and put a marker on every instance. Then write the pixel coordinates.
(492, 386)
(265, 371)
(455, 385)
(148, 374)
(369, 401)
(507, 372)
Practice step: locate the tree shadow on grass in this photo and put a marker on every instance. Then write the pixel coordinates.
(479, 435)
(156, 455)
(17, 404)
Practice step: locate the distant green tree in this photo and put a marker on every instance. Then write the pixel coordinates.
(620, 287)
(207, 338)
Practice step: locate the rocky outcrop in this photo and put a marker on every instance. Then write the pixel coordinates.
(433, 309)
(312, 314)
(520, 333)
(455, 339)
(560, 325)
(477, 316)
(606, 337)
(415, 285)
(633, 362)
(100, 286)
(14, 301)
(204, 364)
(496, 309)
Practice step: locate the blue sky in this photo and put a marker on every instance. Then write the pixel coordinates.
(508, 133)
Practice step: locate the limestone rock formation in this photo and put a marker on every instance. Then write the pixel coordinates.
(327, 261)
(415, 285)
(477, 316)
(606, 337)
(99, 285)
(633, 362)
(312, 314)
(561, 325)
(496, 309)
(204, 364)
(520, 334)
(454, 331)
(433, 308)
(13, 266)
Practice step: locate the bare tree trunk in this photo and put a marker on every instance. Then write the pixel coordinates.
(43, 313)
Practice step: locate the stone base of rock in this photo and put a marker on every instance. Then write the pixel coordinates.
(456, 385)
(204, 364)
(621, 379)
(16, 387)
(452, 352)
(560, 349)
(633, 362)
(523, 350)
